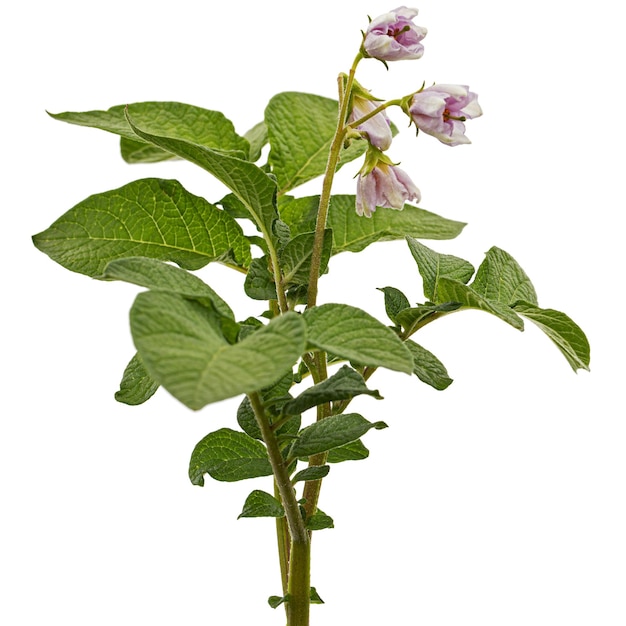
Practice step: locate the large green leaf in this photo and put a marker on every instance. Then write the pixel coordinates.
(565, 333)
(301, 127)
(184, 351)
(151, 218)
(210, 129)
(331, 432)
(500, 279)
(160, 276)
(352, 233)
(250, 184)
(345, 384)
(433, 266)
(353, 334)
(228, 455)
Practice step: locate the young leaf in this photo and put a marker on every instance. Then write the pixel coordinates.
(247, 420)
(262, 504)
(259, 283)
(449, 290)
(343, 385)
(353, 451)
(257, 137)
(315, 597)
(152, 218)
(434, 266)
(500, 279)
(295, 258)
(411, 319)
(137, 386)
(427, 367)
(210, 129)
(319, 520)
(228, 455)
(160, 276)
(250, 184)
(315, 472)
(331, 432)
(353, 334)
(186, 354)
(352, 233)
(301, 127)
(567, 335)
(395, 302)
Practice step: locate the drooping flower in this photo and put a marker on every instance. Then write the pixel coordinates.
(440, 111)
(383, 184)
(377, 128)
(393, 36)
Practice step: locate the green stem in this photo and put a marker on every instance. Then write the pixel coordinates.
(298, 585)
(331, 168)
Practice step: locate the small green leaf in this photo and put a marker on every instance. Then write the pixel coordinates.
(352, 233)
(210, 129)
(413, 318)
(331, 432)
(257, 137)
(276, 601)
(345, 384)
(353, 451)
(301, 127)
(319, 520)
(137, 386)
(248, 423)
(295, 258)
(353, 334)
(152, 218)
(315, 597)
(262, 504)
(160, 276)
(395, 302)
(434, 266)
(229, 456)
(427, 367)
(500, 279)
(449, 290)
(259, 283)
(568, 337)
(315, 472)
(184, 351)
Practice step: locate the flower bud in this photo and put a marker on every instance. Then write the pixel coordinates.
(440, 111)
(393, 36)
(377, 128)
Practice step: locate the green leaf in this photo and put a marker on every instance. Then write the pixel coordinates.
(500, 279)
(257, 137)
(315, 597)
(331, 432)
(301, 127)
(353, 334)
(228, 455)
(353, 451)
(427, 367)
(276, 601)
(395, 302)
(343, 385)
(315, 472)
(247, 420)
(318, 521)
(160, 276)
(434, 266)
(262, 504)
(413, 318)
(564, 332)
(184, 352)
(295, 258)
(449, 290)
(137, 386)
(152, 218)
(259, 283)
(210, 129)
(250, 184)
(352, 233)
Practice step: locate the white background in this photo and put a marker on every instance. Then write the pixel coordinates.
(499, 501)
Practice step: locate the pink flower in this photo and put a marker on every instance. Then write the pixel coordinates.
(440, 111)
(377, 128)
(384, 186)
(393, 36)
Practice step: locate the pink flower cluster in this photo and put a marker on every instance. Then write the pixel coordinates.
(440, 111)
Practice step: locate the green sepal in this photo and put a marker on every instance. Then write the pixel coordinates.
(228, 455)
(261, 504)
